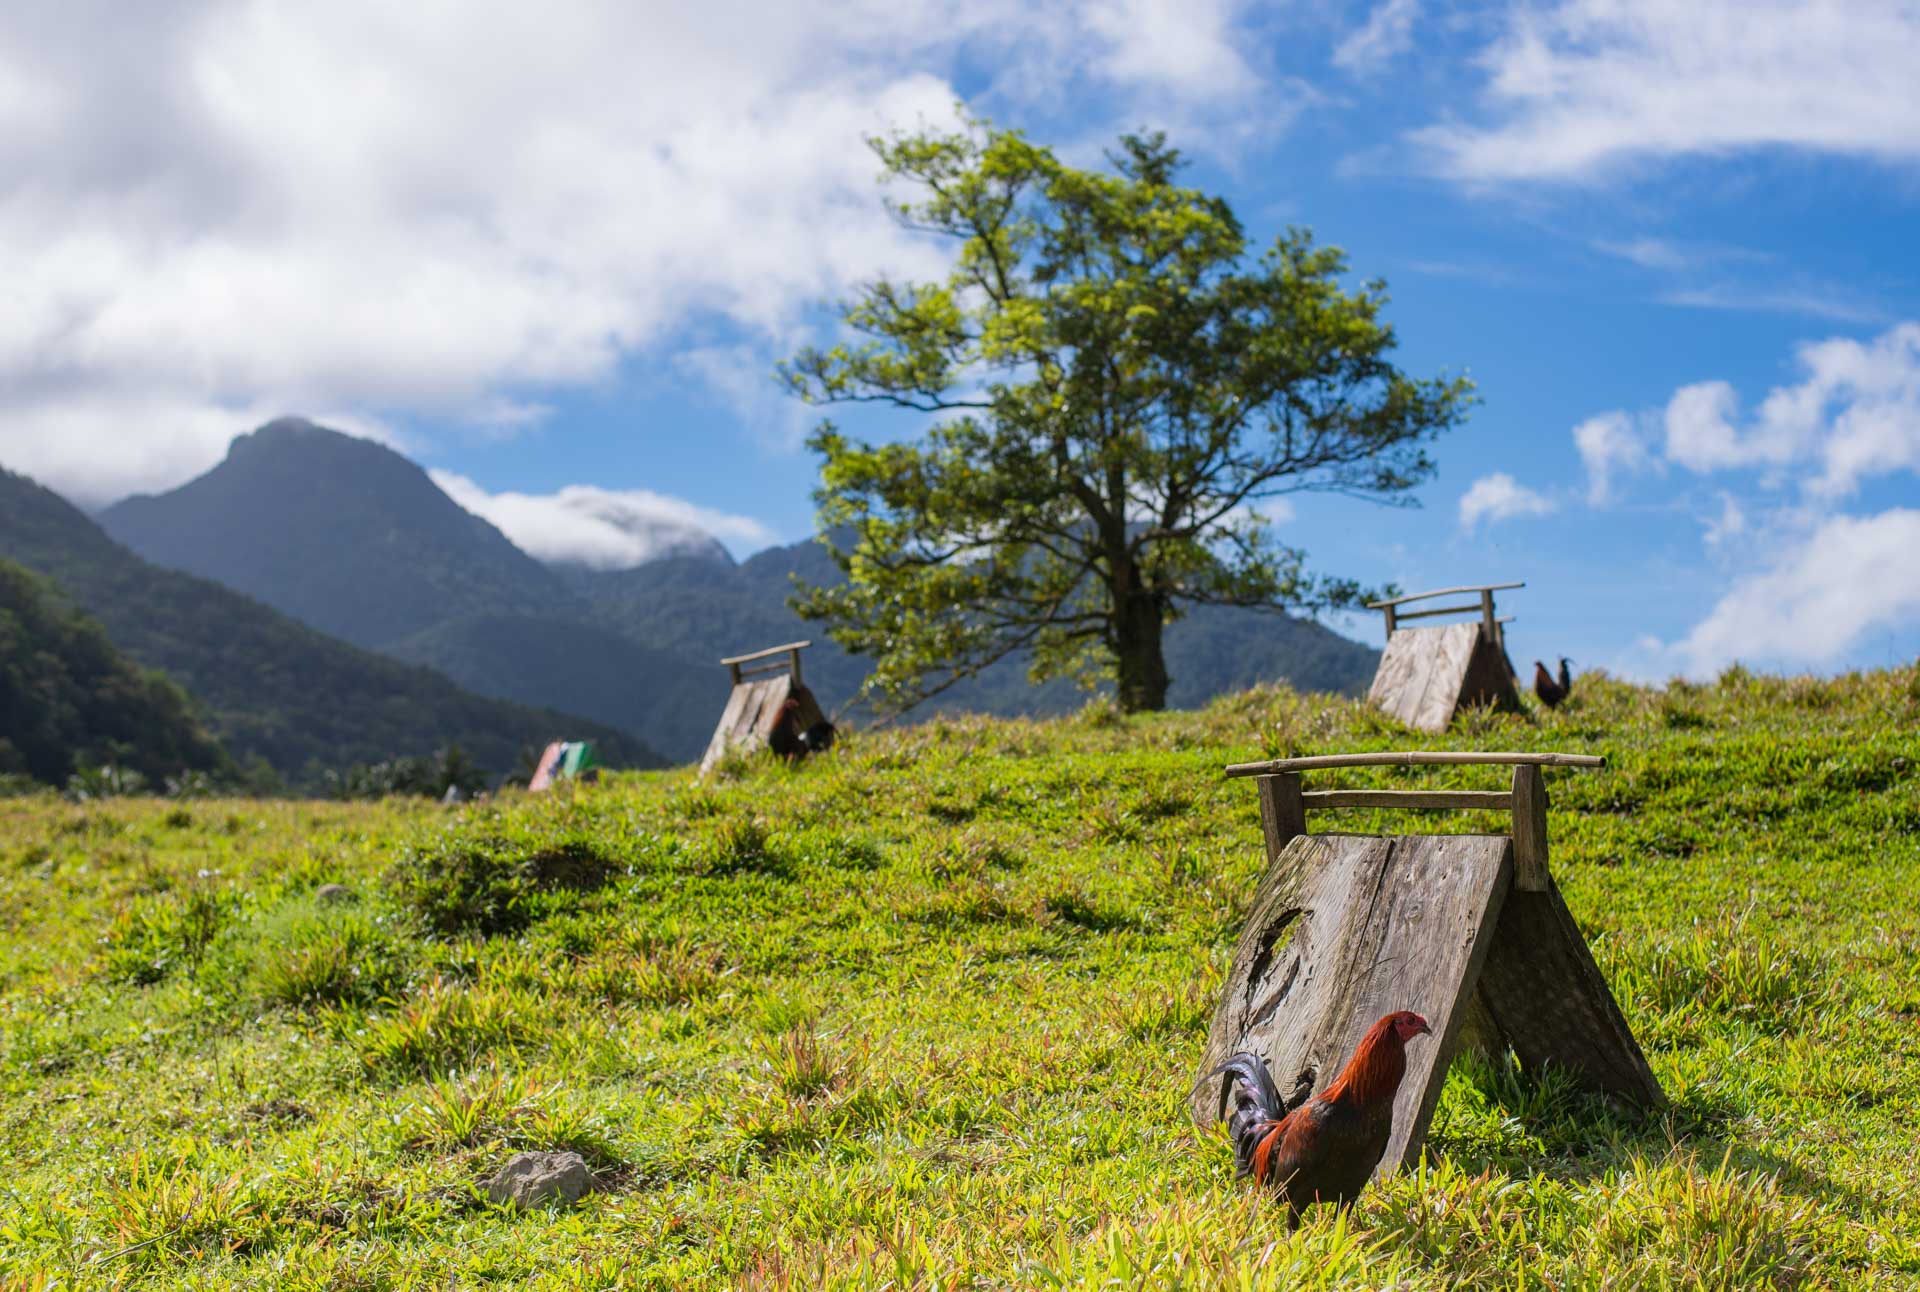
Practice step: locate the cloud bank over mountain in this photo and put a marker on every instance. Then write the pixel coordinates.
(606, 529)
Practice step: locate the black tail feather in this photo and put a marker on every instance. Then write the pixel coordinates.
(1256, 1106)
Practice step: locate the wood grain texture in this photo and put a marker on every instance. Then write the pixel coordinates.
(1549, 999)
(1427, 675)
(1344, 929)
(1414, 800)
(1411, 758)
(1529, 829)
(752, 709)
(1443, 592)
(1282, 814)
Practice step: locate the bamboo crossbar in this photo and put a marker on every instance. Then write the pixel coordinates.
(1443, 592)
(762, 654)
(1416, 800)
(1412, 758)
(1472, 609)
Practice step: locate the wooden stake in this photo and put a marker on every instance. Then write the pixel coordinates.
(1529, 829)
(1283, 813)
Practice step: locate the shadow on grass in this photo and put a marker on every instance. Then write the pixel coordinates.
(1497, 1116)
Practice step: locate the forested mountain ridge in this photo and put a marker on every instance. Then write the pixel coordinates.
(341, 533)
(269, 686)
(704, 612)
(69, 700)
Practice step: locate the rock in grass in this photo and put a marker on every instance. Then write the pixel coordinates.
(529, 1179)
(328, 894)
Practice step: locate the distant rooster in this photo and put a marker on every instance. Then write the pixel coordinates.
(818, 738)
(785, 739)
(1550, 690)
(790, 742)
(1321, 1149)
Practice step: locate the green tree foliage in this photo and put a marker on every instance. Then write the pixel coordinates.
(70, 703)
(1120, 386)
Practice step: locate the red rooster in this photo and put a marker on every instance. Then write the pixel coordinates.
(1321, 1149)
(1550, 690)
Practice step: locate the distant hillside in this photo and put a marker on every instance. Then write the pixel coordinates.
(704, 612)
(341, 533)
(272, 687)
(352, 538)
(69, 700)
(662, 696)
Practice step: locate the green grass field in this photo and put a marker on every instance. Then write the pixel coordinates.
(924, 1014)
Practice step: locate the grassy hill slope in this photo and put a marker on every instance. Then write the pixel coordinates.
(924, 1013)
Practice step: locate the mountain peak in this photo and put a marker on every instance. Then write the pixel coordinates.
(338, 531)
(291, 434)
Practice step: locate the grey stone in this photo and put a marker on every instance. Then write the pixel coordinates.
(331, 893)
(529, 1179)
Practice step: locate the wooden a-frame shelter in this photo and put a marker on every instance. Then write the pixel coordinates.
(763, 681)
(1468, 930)
(1429, 674)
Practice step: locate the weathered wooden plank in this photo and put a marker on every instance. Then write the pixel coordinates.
(1282, 814)
(1529, 800)
(1343, 930)
(763, 708)
(1444, 592)
(1436, 612)
(1408, 667)
(753, 708)
(1489, 677)
(762, 654)
(1412, 758)
(1415, 800)
(1551, 1001)
(720, 742)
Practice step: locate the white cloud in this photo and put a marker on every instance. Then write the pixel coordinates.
(1578, 86)
(1856, 415)
(1648, 253)
(1185, 47)
(453, 211)
(1609, 444)
(1851, 576)
(1840, 304)
(605, 529)
(1729, 525)
(1388, 33)
(95, 447)
(1500, 497)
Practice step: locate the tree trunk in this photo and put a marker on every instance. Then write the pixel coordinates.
(1136, 638)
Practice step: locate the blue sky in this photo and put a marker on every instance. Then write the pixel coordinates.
(555, 256)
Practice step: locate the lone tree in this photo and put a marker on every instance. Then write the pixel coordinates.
(1119, 387)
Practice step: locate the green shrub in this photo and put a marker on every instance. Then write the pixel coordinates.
(492, 883)
(447, 1027)
(328, 955)
(149, 940)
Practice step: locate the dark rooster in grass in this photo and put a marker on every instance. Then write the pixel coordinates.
(790, 742)
(1551, 690)
(1321, 1149)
